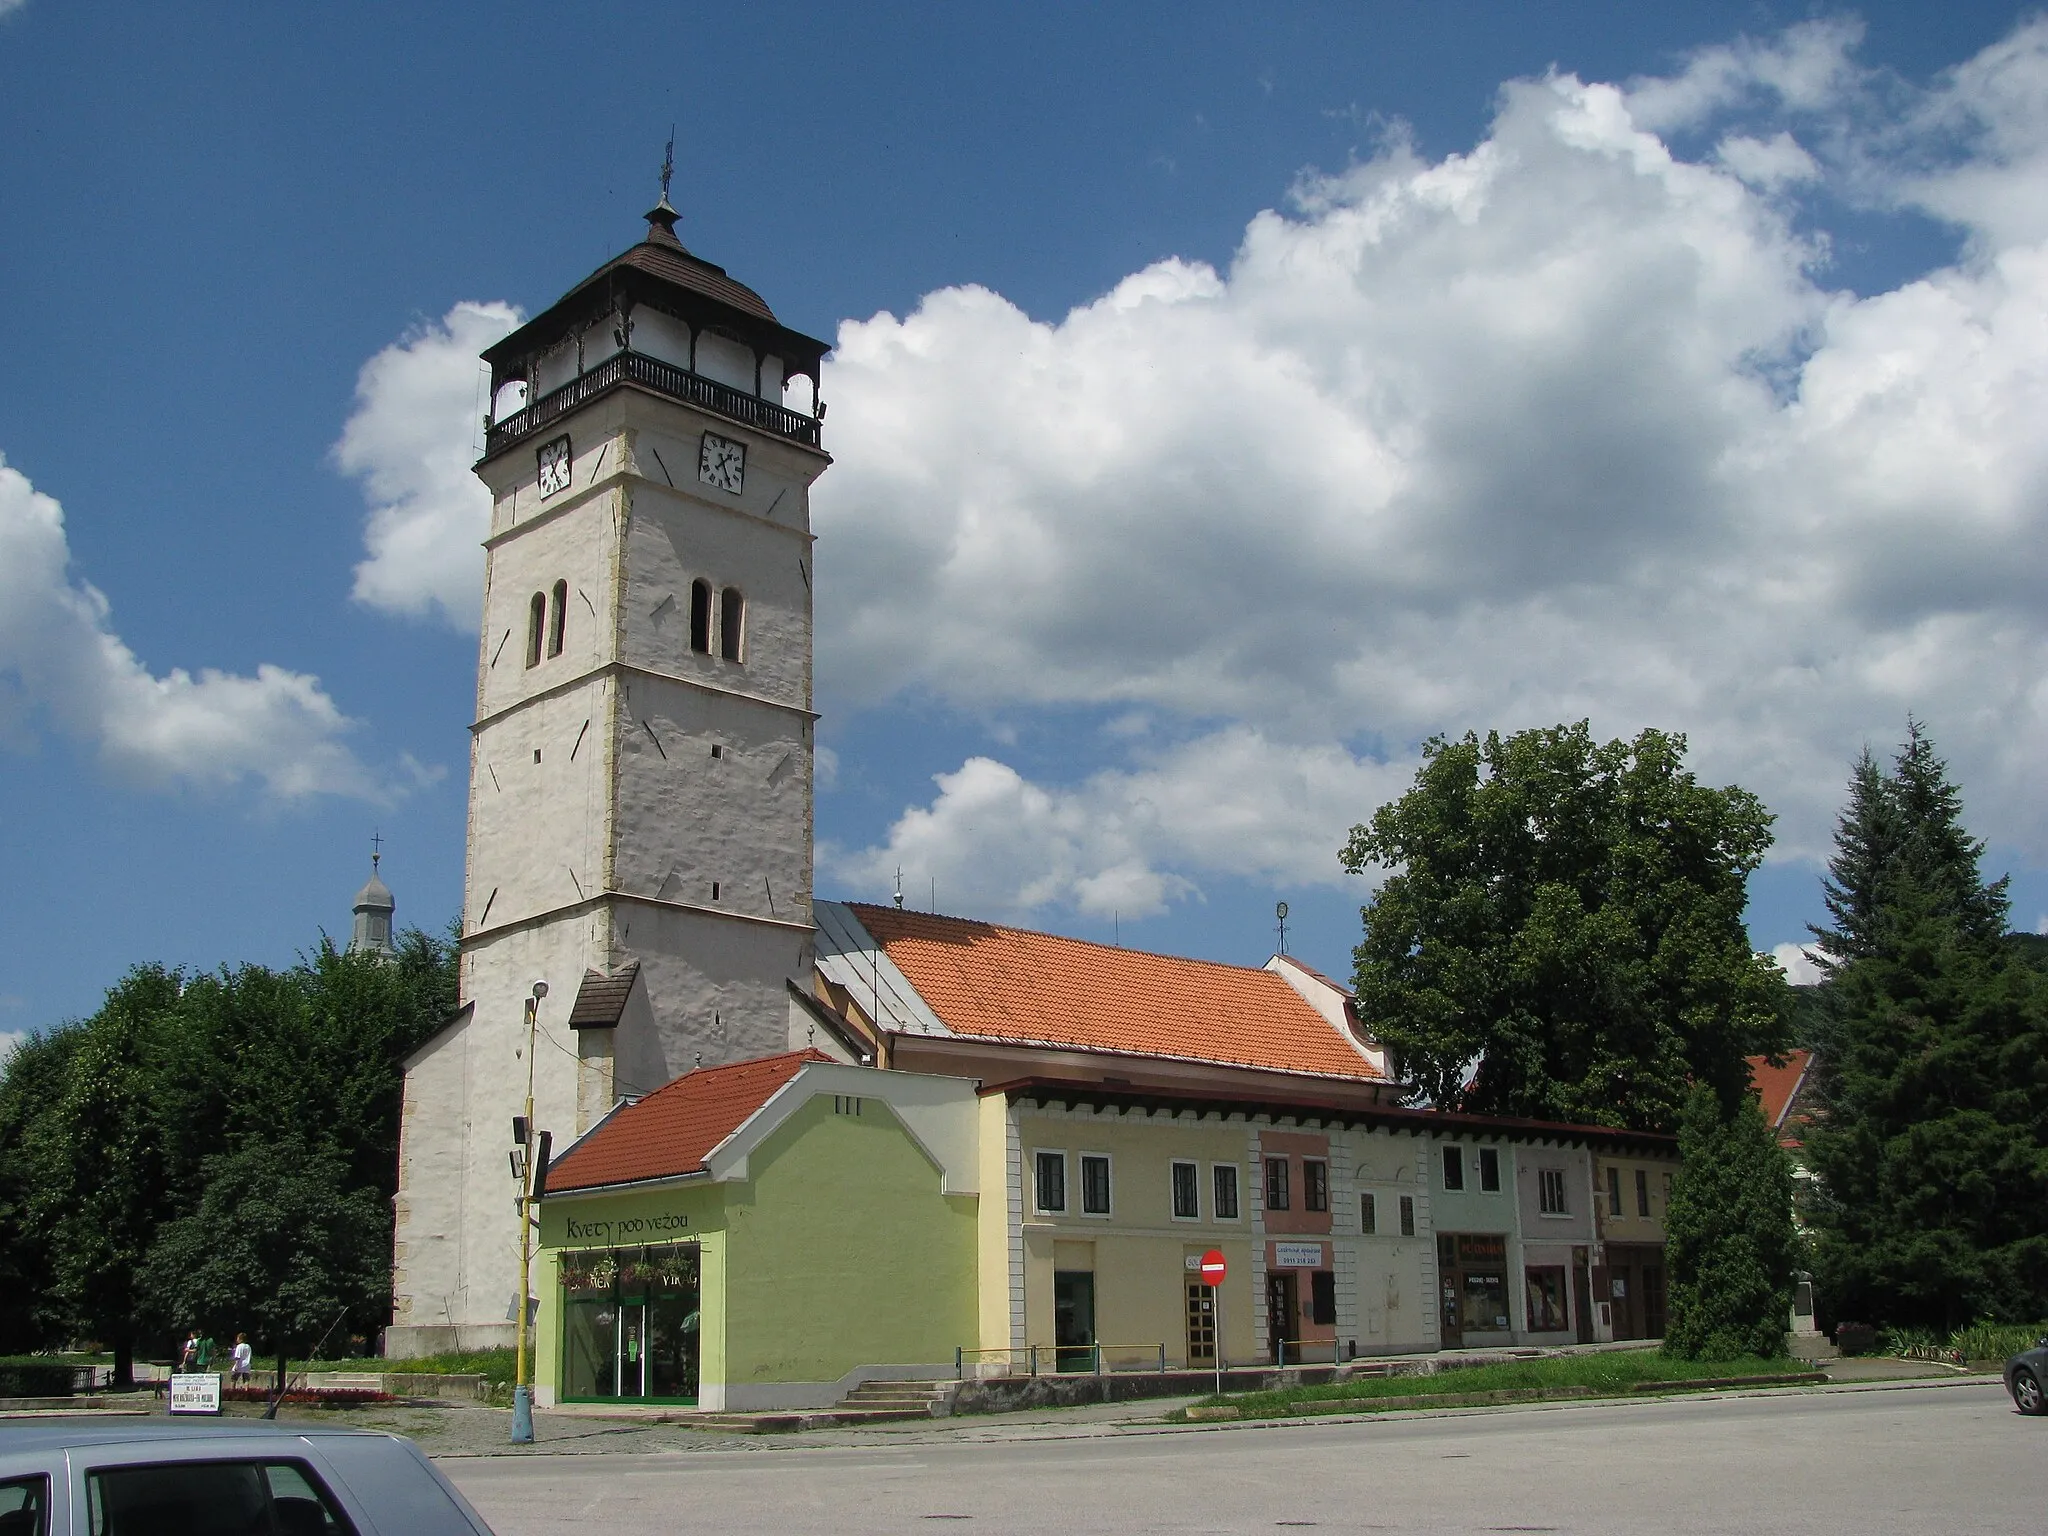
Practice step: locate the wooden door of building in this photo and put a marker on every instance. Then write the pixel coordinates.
(1283, 1306)
(1201, 1323)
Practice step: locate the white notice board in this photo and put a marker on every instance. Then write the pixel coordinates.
(1297, 1255)
(197, 1392)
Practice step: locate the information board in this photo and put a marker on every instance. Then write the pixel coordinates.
(196, 1392)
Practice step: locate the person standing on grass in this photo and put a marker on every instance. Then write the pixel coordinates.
(244, 1359)
(188, 1358)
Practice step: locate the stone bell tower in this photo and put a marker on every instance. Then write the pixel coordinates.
(640, 765)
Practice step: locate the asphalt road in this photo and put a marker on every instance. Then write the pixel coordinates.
(1951, 1459)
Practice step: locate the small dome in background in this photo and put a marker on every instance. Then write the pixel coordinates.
(373, 909)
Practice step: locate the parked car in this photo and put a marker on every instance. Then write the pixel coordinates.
(167, 1477)
(2026, 1378)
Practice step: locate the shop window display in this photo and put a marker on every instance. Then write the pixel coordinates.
(630, 1325)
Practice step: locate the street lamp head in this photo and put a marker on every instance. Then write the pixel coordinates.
(540, 990)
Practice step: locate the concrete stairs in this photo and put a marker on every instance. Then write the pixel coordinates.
(872, 1402)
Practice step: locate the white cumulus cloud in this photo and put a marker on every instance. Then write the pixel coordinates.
(412, 440)
(1572, 424)
(1800, 968)
(62, 662)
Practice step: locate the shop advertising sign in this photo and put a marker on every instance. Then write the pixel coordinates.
(1297, 1255)
(195, 1392)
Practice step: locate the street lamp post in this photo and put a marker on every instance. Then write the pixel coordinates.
(522, 1391)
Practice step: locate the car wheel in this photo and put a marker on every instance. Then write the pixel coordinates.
(2026, 1392)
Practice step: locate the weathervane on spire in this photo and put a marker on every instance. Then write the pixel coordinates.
(668, 161)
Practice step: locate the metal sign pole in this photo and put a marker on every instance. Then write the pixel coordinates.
(1216, 1307)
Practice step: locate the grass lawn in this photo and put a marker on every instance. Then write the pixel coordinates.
(495, 1365)
(1610, 1373)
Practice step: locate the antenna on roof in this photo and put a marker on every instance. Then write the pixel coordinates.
(1280, 920)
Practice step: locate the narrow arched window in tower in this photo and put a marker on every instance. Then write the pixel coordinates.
(732, 613)
(560, 620)
(536, 625)
(700, 617)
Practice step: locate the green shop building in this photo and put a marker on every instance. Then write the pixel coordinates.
(759, 1236)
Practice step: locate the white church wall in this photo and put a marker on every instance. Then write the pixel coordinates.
(537, 813)
(662, 336)
(426, 1268)
(717, 985)
(728, 361)
(672, 541)
(573, 544)
(739, 821)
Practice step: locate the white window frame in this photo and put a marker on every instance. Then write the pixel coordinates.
(1495, 1187)
(1444, 1154)
(1081, 1161)
(1173, 1192)
(1563, 1209)
(1066, 1182)
(1371, 1196)
(1236, 1192)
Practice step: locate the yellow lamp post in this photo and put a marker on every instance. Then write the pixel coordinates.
(522, 1390)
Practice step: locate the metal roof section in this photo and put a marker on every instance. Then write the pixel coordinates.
(850, 957)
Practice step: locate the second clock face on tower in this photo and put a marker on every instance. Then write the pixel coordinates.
(554, 466)
(723, 463)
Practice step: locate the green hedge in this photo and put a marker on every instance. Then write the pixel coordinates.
(42, 1379)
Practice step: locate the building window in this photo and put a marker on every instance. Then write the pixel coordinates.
(1614, 1192)
(1407, 1215)
(700, 617)
(1368, 1214)
(1052, 1182)
(1550, 1198)
(1094, 1184)
(536, 626)
(1322, 1297)
(732, 612)
(1187, 1192)
(558, 621)
(1546, 1300)
(1489, 1169)
(1226, 1191)
(1276, 1184)
(1454, 1167)
(1642, 1191)
(1315, 1184)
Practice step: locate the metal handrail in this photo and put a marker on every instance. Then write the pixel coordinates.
(662, 378)
(961, 1355)
(1301, 1348)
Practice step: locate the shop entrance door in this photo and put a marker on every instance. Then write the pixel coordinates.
(1449, 1289)
(1283, 1306)
(1073, 1319)
(1201, 1324)
(1582, 1294)
(630, 1326)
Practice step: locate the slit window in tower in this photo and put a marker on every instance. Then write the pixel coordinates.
(536, 625)
(732, 611)
(558, 622)
(700, 617)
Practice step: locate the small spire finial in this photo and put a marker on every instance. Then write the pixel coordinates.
(661, 218)
(376, 847)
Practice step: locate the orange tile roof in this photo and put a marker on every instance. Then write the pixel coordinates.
(675, 1128)
(1777, 1087)
(989, 982)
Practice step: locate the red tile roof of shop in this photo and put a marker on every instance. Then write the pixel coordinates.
(1778, 1087)
(673, 1129)
(989, 982)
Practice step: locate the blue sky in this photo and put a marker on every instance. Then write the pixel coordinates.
(1227, 398)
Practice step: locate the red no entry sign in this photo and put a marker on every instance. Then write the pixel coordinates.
(1213, 1267)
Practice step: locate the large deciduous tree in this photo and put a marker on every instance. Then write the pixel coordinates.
(1560, 933)
(1729, 1239)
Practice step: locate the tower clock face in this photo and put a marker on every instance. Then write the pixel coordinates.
(722, 463)
(554, 466)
